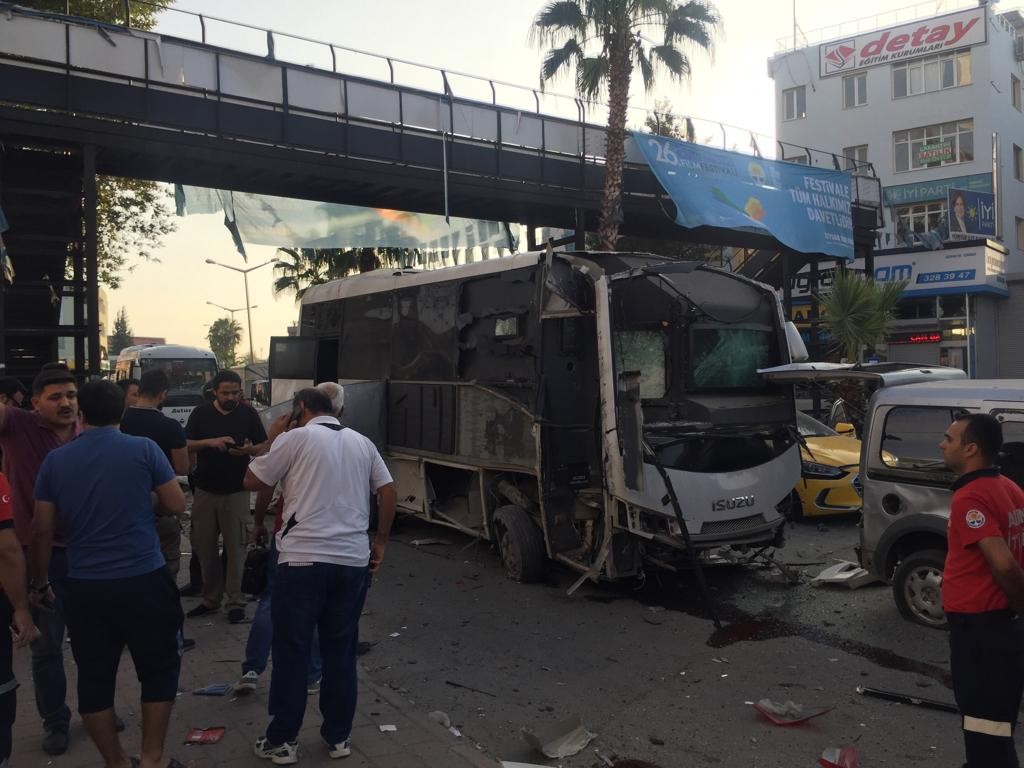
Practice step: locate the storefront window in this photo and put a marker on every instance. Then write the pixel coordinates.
(915, 309)
(954, 305)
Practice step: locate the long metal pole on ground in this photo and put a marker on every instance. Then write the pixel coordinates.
(92, 273)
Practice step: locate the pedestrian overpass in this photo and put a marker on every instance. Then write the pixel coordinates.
(80, 98)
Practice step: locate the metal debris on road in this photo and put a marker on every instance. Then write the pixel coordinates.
(788, 712)
(388, 728)
(453, 684)
(904, 698)
(561, 739)
(428, 542)
(844, 572)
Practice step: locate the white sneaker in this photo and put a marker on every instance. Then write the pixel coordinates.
(341, 749)
(247, 682)
(278, 754)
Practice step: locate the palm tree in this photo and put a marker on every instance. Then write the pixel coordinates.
(856, 311)
(224, 335)
(304, 267)
(615, 32)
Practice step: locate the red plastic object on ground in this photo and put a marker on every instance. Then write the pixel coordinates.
(205, 735)
(840, 757)
(788, 713)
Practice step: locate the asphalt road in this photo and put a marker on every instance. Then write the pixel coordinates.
(644, 666)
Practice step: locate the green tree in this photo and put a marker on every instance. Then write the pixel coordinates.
(132, 215)
(856, 311)
(662, 122)
(122, 336)
(605, 41)
(224, 335)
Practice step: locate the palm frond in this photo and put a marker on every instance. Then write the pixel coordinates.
(558, 18)
(675, 61)
(645, 66)
(591, 74)
(857, 311)
(694, 23)
(557, 58)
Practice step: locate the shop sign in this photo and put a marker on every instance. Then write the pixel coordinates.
(928, 337)
(971, 214)
(938, 152)
(928, 191)
(907, 41)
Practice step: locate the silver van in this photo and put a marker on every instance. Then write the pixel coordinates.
(906, 485)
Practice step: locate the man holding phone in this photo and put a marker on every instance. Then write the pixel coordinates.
(223, 435)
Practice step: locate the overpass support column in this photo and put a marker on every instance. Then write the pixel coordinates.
(92, 272)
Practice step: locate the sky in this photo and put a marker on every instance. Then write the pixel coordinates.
(488, 38)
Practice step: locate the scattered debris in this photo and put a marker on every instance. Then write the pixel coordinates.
(453, 684)
(654, 614)
(440, 718)
(216, 689)
(507, 764)
(904, 698)
(388, 728)
(840, 757)
(205, 735)
(656, 741)
(395, 634)
(558, 740)
(455, 732)
(788, 712)
(606, 760)
(844, 572)
(428, 542)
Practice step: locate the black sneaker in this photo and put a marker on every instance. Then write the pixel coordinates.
(200, 610)
(55, 742)
(236, 615)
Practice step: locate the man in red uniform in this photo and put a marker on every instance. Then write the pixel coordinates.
(983, 591)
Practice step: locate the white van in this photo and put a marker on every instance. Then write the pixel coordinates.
(190, 369)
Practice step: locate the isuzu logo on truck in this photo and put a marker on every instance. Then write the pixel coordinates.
(736, 502)
(955, 30)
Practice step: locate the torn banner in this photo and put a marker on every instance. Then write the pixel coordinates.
(288, 222)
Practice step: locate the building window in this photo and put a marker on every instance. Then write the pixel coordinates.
(1015, 91)
(933, 145)
(1018, 163)
(855, 158)
(1020, 232)
(931, 73)
(855, 90)
(794, 102)
(922, 217)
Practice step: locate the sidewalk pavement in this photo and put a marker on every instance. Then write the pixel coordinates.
(418, 742)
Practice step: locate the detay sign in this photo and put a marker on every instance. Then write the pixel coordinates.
(934, 35)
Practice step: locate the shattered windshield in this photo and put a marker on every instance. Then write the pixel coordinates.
(643, 351)
(728, 356)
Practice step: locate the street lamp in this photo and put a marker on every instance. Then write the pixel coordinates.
(248, 306)
(229, 309)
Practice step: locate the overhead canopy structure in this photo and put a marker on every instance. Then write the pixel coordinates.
(805, 208)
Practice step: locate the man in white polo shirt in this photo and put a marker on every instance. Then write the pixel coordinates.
(327, 475)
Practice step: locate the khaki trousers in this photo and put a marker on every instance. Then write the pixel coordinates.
(227, 515)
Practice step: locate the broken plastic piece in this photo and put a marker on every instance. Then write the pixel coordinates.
(205, 735)
(388, 728)
(558, 740)
(217, 689)
(840, 757)
(844, 572)
(788, 712)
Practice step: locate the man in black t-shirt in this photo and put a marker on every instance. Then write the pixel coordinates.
(223, 435)
(144, 419)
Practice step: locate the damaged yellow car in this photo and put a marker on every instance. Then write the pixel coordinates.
(830, 472)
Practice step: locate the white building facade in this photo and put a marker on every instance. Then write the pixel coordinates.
(932, 104)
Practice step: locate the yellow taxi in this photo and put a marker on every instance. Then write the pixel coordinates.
(831, 466)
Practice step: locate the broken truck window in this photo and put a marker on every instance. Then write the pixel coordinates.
(727, 357)
(506, 327)
(643, 351)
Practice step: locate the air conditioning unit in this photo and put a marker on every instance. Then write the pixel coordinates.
(1018, 48)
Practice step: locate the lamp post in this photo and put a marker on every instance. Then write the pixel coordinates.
(229, 309)
(248, 307)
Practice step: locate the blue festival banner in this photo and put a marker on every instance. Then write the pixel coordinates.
(803, 207)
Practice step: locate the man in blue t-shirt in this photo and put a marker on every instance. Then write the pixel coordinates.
(118, 592)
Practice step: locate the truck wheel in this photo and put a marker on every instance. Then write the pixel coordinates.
(520, 543)
(917, 587)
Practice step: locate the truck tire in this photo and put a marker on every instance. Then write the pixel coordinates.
(916, 587)
(520, 543)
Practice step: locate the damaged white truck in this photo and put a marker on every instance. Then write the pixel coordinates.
(601, 410)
